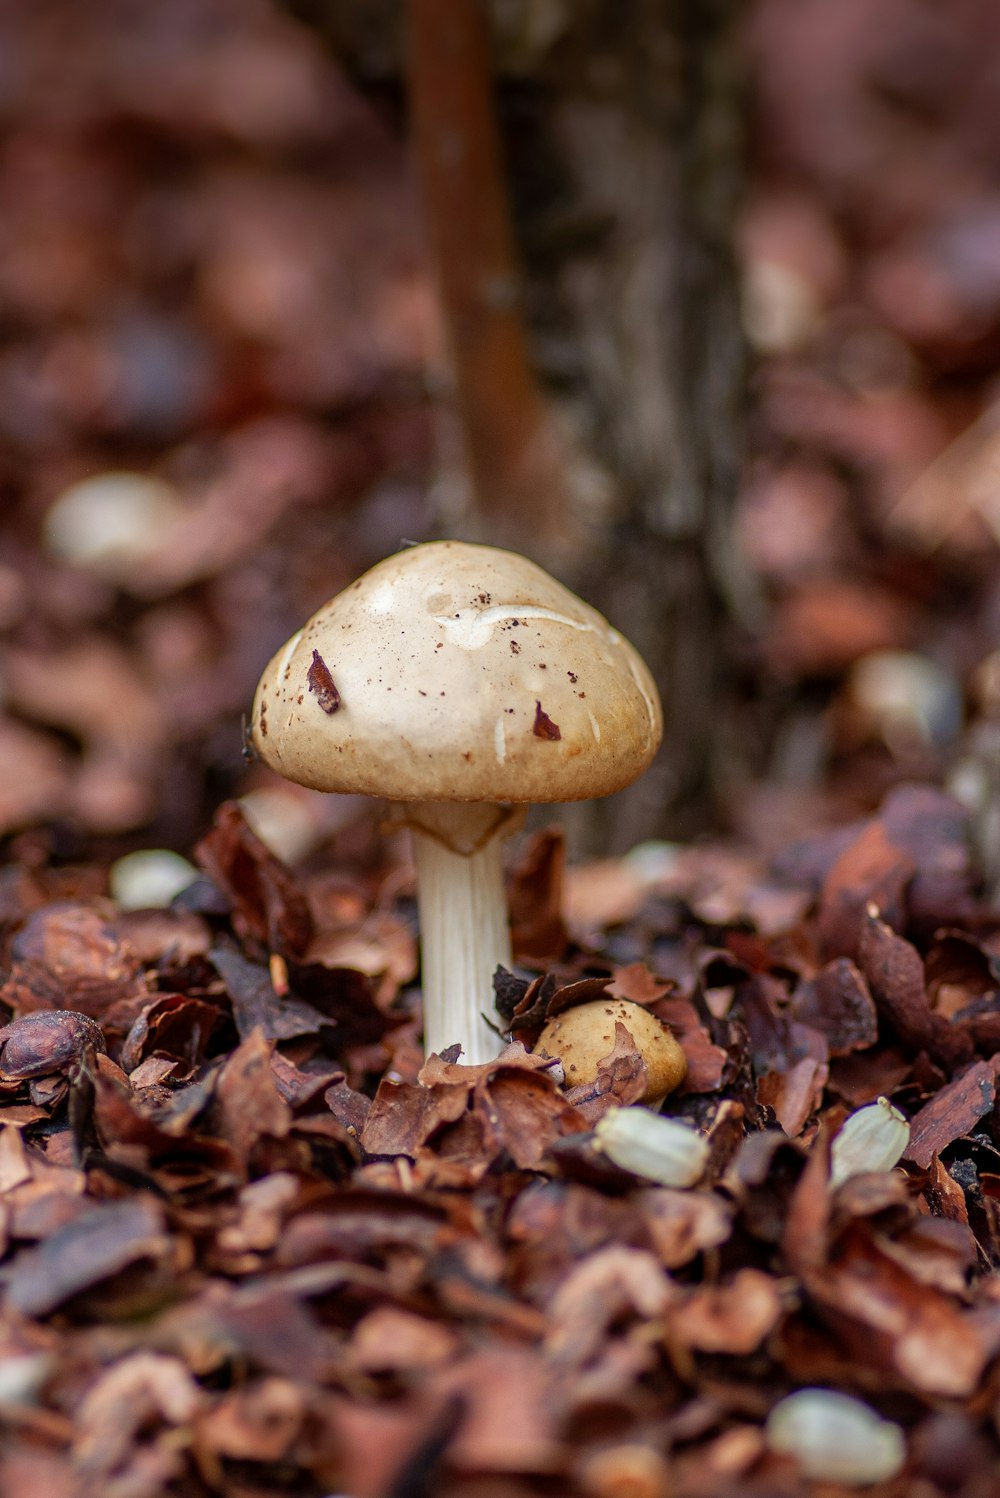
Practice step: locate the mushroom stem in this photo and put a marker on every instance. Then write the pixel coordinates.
(464, 932)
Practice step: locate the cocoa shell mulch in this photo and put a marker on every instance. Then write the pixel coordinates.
(255, 1244)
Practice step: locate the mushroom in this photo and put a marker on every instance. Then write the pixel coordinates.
(460, 681)
(583, 1036)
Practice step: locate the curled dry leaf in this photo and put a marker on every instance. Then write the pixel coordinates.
(895, 974)
(796, 1094)
(870, 872)
(256, 1005)
(144, 1390)
(909, 1331)
(248, 1104)
(260, 1423)
(263, 1206)
(268, 904)
(731, 1318)
(510, 1104)
(707, 1061)
(48, 1041)
(509, 1403)
(67, 957)
(838, 1003)
(391, 1339)
(95, 1246)
(171, 1026)
(614, 1283)
(638, 984)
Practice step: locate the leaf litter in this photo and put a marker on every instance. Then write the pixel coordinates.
(252, 1244)
(251, 1240)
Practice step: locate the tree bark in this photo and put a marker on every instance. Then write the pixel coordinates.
(642, 112)
(621, 142)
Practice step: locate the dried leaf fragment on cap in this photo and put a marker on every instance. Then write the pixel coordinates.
(321, 684)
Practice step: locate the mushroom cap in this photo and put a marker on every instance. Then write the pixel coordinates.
(453, 672)
(583, 1036)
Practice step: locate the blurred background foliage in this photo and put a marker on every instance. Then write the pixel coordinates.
(698, 303)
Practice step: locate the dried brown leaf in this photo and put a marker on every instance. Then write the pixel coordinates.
(404, 1115)
(259, 1423)
(870, 871)
(896, 1323)
(838, 1003)
(805, 1232)
(707, 1062)
(248, 1105)
(529, 1113)
(173, 1025)
(732, 1318)
(794, 1094)
(67, 957)
(535, 898)
(607, 1286)
(105, 1240)
(953, 1111)
(510, 1403)
(361, 1226)
(381, 1444)
(682, 1224)
(895, 974)
(255, 1004)
(143, 1390)
(935, 1252)
(268, 904)
(389, 1339)
(50, 1040)
(639, 984)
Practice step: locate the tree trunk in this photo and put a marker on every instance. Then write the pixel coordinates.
(621, 130)
(641, 112)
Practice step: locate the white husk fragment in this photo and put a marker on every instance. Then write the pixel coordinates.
(874, 1138)
(111, 523)
(149, 878)
(835, 1437)
(22, 1376)
(661, 1149)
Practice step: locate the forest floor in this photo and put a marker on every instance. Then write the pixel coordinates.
(255, 1245)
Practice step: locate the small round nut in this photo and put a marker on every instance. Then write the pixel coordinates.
(629, 1470)
(583, 1036)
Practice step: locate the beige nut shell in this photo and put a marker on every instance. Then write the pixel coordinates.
(583, 1036)
(464, 673)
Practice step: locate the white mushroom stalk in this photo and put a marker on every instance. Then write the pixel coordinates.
(465, 936)
(457, 681)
